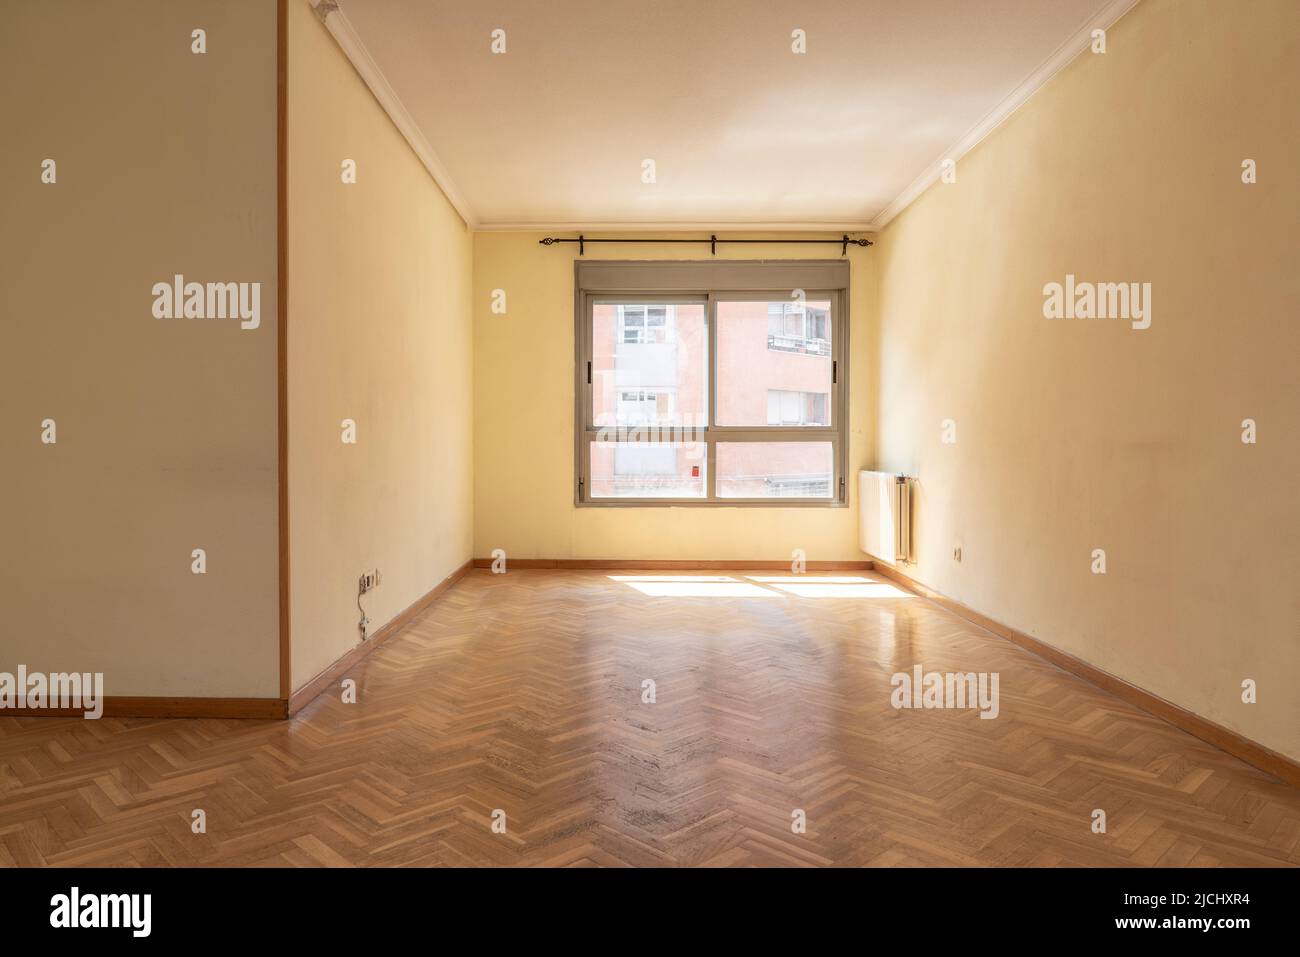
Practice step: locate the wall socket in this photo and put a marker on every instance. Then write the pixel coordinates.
(956, 553)
(368, 581)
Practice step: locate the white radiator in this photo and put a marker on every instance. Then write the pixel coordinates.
(885, 516)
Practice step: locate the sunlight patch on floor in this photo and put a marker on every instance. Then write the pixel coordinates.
(682, 586)
(830, 588)
(760, 586)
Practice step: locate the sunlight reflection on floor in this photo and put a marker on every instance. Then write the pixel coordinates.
(760, 586)
(694, 586)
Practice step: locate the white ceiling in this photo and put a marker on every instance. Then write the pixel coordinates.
(742, 130)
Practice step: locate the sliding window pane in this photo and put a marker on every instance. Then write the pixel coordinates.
(776, 470)
(774, 363)
(649, 365)
(647, 469)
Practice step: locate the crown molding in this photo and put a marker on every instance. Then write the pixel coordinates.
(330, 13)
(1065, 53)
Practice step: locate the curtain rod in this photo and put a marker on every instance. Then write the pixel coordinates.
(713, 241)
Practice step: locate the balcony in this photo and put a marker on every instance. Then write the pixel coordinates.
(799, 345)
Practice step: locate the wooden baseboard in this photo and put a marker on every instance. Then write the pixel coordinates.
(308, 692)
(145, 707)
(659, 564)
(1266, 759)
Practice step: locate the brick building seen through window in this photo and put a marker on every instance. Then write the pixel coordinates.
(650, 369)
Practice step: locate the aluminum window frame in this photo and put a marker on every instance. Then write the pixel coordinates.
(706, 282)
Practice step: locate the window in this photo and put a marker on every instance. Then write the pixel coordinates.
(647, 363)
(775, 469)
(796, 408)
(640, 324)
(711, 383)
(646, 406)
(798, 326)
(623, 470)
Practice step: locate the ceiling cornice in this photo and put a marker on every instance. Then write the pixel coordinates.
(1066, 52)
(336, 21)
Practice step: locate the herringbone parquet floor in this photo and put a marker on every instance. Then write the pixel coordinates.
(523, 692)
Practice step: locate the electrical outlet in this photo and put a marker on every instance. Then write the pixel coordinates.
(956, 553)
(368, 581)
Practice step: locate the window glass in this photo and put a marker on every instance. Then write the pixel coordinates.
(649, 364)
(647, 470)
(781, 347)
(775, 469)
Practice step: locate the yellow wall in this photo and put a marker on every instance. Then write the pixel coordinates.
(523, 415)
(379, 313)
(166, 428)
(1075, 434)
